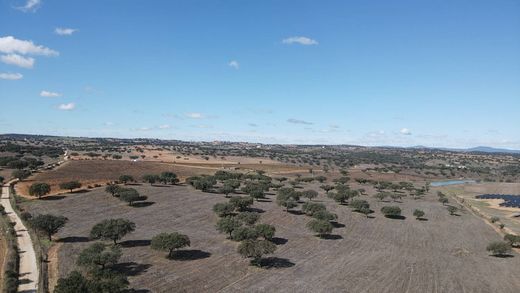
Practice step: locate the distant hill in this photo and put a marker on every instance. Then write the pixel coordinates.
(479, 149)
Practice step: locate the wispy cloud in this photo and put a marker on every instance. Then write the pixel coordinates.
(11, 76)
(234, 64)
(195, 115)
(297, 121)
(17, 60)
(10, 45)
(67, 107)
(253, 124)
(49, 94)
(30, 6)
(405, 131)
(165, 126)
(64, 31)
(300, 40)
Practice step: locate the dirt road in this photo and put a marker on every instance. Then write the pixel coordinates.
(28, 267)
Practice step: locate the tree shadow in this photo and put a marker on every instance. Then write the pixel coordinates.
(331, 237)
(255, 210)
(263, 200)
(337, 225)
(190, 254)
(132, 290)
(279, 240)
(135, 243)
(80, 191)
(296, 212)
(53, 197)
(74, 239)
(503, 255)
(142, 204)
(131, 268)
(276, 263)
(422, 219)
(395, 217)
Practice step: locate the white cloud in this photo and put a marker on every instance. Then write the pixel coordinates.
(30, 6)
(234, 64)
(49, 94)
(297, 121)
(10, 45)
(194, 115)
(67, 107)
(405, 131)
(64, 31)
(300, 40)
(165, 126)
(10, 76)
(143, 129)
(17, 60)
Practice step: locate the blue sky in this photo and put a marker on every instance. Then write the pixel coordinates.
(436, 73)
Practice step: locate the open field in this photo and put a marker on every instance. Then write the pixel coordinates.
(443, 254)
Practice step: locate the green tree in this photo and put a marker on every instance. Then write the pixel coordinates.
(170, 242)
(112, 229)
(391, 211)
(223, 209)
(327, 188)
(359, 204)
(130, 195)
(70, 185)
(443, 200)
(320, 227)
(126, 178)
(248, 218)
(255, 249)
(499, 248)
(21, 174)
(266, 231)
(226, 189)
(244, 233)
(452, 210)
(381, 196)
(39, 189)
(113, 189)
(309, 208)
(310, 194)
(241, 203)
(228, 225)
(48, 224)
(150, 178)
(99, 256)
(418, 214)
(169, 178)
(75, 282)
(324, 215)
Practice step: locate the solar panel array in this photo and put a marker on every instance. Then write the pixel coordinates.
(510, 200)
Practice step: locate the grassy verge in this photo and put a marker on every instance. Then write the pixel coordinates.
(12, 258)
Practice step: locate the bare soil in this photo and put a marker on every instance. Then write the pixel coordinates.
(441, 254)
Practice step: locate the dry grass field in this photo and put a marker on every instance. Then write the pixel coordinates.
(443, 254)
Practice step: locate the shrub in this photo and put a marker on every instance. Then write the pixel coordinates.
(499, 248)
(452, 210)
(512, 239)
(418, 214)
(391, 211)
(494, 219)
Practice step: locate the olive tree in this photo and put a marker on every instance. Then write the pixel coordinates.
(70, 185)
(266, 231)
(39, 189)
(170, 242)
(112, 229)
(48, 224)
(223, 209)
(310, 194)
(99, 256)
(320, 227)
(228, 225)
(113, 189)
(126, 178)
(418, 214)
(255, 249)
(391, 211)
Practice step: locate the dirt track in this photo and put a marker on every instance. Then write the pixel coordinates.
(28, 265)
(444, 254)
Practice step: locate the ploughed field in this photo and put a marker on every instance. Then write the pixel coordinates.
(443, 254)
